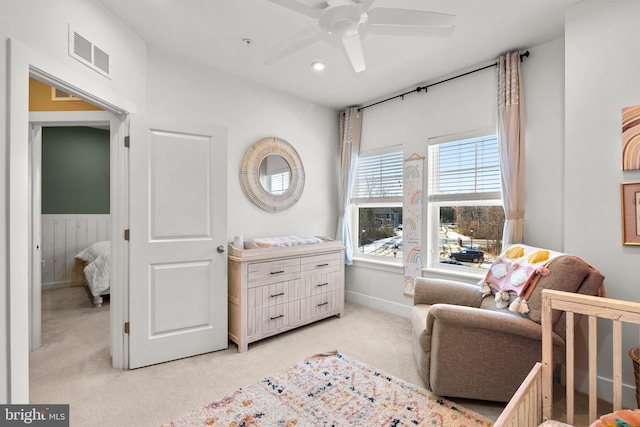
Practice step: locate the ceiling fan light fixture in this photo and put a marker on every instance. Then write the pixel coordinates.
(318, 65)
(341, 20)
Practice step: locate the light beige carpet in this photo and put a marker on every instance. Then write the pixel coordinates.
(73, 366)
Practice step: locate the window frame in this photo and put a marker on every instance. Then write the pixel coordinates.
(434, 204)
(355, 204)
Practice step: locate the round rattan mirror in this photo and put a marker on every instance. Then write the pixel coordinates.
(272, 174)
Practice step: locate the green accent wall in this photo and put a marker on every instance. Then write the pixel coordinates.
(75, 170)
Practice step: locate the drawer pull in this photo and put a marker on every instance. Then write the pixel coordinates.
(322, 265)
(277, 317)
(324, 303)
(277, 295)
(322, 284)
(277, 272)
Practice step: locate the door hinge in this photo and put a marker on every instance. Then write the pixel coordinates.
(126, 234)
(126, 327)
(126, 141)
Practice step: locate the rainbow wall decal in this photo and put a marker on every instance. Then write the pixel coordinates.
(411, 172)
(409, 282)
(415, 256)
(410, 224)
(416, 198)
(631, 138)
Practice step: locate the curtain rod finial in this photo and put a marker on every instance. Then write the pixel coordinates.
(523, 55)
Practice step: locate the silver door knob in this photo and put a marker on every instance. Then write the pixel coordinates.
(220, 249)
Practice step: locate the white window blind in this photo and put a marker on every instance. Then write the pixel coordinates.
(465, 170)
(378, 179)
(278, 183)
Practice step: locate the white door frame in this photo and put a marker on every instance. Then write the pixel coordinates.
(35, 237)
(65, 119)
(24, 62)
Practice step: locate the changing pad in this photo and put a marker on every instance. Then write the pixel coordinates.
(272, 242)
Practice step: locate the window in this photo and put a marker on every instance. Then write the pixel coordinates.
(376, 199)
(466, 217)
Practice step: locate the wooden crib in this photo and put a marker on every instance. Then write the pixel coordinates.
(531, 405)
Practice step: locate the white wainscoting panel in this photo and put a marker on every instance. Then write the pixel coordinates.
(63, 236)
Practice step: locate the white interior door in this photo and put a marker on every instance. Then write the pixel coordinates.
(178, 278)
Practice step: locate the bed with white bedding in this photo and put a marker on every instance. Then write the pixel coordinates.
(96, 259)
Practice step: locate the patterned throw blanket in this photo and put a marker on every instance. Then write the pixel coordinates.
(516, 272)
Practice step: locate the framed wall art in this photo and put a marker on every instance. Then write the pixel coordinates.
(631, 138)
(630, 195)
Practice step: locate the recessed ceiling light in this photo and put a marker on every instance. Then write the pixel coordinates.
(317, 65)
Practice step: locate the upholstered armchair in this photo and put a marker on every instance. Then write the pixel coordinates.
(466, 347)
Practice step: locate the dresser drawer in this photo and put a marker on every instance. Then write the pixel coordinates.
(262, 273)
(321, 303)
(272, 294)
(324, 263)
(265, 320)
(319, 284)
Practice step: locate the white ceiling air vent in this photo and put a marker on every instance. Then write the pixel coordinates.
(88, 53)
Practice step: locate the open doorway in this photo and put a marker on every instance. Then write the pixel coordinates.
(70, 226)
(72, 185)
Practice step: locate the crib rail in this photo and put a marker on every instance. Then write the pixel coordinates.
(532, 402)
(525, 407)
(594, 308)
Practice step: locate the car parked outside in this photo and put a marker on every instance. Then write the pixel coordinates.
(468, 255)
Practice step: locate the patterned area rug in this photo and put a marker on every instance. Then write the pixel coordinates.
(332, 390)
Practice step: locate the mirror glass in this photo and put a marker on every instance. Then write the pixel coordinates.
(275, 174)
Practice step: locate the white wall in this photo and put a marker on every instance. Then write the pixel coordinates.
(250, 112)
(543, 74)
(467, 104)
(602, 77)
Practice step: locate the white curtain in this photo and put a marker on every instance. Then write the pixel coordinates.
(511, 144)
(350, 129)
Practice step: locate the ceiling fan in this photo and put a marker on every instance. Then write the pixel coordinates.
(349, 20)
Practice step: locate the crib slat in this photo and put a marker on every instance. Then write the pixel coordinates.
(570, 346)
(547, 357)
(593, 368)
(617, 365)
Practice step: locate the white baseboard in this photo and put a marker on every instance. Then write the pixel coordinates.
(57, 285)
(604, 387)
(379, 304)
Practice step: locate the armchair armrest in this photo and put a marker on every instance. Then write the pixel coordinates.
(440, 291)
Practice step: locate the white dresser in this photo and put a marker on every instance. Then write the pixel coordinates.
(273, 290)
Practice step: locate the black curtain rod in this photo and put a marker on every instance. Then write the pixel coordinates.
(421, 88)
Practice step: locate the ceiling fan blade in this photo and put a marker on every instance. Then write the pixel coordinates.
(294, 43)
(365, 4)
(353, 47)
(383, 16)
(387, 30)
(296, 6)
